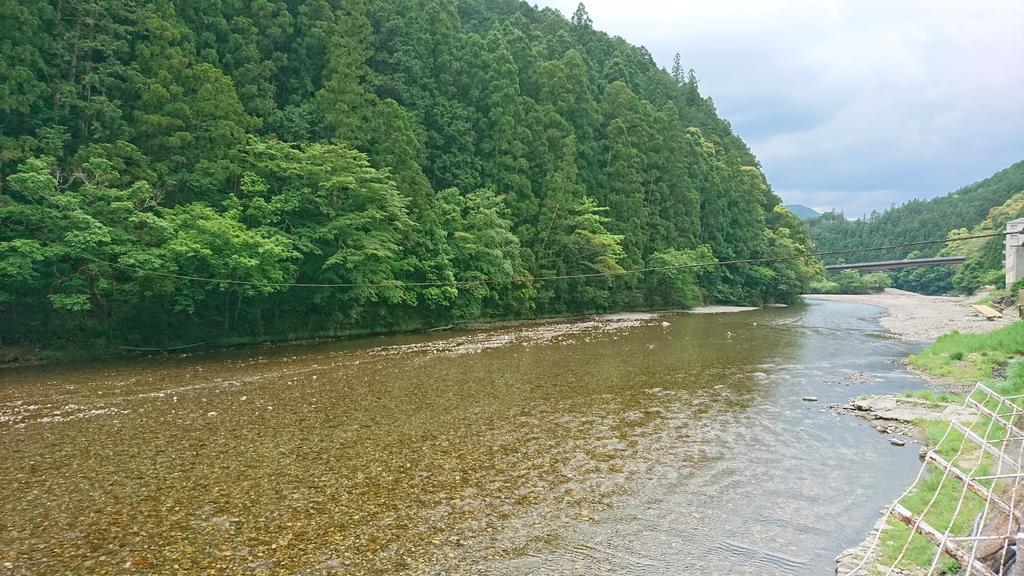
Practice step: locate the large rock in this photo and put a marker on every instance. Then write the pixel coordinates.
(907, 410)
(899, 414)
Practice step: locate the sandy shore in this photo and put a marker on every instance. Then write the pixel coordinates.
(915, 317)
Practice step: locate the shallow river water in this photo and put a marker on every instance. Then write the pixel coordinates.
(622, 445)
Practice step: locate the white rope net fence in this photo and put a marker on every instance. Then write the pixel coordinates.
(962, 514)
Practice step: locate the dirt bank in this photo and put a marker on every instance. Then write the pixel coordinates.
(914, 317)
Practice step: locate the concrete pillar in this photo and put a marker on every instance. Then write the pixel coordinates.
(1014, 251)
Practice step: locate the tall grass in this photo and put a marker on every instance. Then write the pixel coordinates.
(971, 357)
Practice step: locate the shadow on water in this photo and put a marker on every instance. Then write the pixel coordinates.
(620, 446)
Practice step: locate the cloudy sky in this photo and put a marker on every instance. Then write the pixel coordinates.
(849, 104)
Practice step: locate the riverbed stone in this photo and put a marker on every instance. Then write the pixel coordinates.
(906, 409)
(897, 414)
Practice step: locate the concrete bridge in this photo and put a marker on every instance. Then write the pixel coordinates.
(894, 264)
(1014, 257)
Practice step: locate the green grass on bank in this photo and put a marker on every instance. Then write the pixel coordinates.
(921, 552)
(998, 358)
(955, 508)
(934, 398)
(971, 357)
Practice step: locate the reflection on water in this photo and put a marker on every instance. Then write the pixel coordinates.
(619, 446)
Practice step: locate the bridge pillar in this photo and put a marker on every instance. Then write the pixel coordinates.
(1014, 251)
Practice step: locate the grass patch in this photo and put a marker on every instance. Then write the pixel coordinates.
(921, 552)
(943, 513)
(967, 357)
(971, 357)
(933, 398)
(1014, 382)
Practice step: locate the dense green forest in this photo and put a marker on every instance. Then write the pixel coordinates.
(983, 207)
(235, 170)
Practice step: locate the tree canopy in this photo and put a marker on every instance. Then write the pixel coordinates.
(228, 171)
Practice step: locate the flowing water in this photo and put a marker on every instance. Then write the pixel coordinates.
(622, 445)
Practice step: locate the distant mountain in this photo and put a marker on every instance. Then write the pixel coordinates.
(802, 212)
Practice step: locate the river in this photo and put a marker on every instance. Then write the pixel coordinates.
(625, 445)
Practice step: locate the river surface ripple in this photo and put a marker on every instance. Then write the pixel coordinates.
(620, 445)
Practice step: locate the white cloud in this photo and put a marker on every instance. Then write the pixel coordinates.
(904, 98)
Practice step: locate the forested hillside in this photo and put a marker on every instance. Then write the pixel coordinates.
(231, 170)
(985, 206)
(986, 257)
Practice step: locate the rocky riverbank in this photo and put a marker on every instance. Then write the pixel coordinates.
(895, 417)
(911, 317)
(898, 415)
